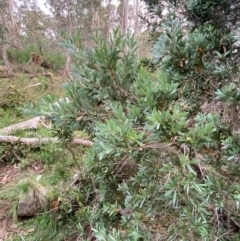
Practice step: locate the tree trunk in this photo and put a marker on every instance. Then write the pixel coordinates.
(13, 25)
(125, 16)
(9, 34)
(96, 19)
(68, 62)
(5, 58)
(136, 23)
(107, 21)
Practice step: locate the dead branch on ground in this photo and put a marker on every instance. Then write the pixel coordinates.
(30, 124)
(38, 141)
(33, 124)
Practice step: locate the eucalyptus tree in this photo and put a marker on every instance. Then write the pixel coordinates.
(9, 30)
(76, 15)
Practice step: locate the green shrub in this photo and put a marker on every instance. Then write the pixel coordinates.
(21, 56)
(56, 60)
(160, 168)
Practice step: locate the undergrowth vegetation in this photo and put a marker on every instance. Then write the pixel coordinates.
(161, 168)
(22, 56)
(164, 164)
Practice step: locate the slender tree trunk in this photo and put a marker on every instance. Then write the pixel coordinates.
(68, 62)
(97, 19)
(107, 21)
(136, 23)
(4, 54)
(9, 32)
(5, 58)
(92, 17)
(69, 19)
(13, 25)
(125, 15)
(92, 23)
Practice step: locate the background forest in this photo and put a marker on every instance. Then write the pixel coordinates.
(27, 26)
(152, 89)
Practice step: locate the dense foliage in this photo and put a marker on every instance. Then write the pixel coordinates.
(165, 160)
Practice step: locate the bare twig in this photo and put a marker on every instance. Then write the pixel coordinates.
(30, 86)
(74, 157)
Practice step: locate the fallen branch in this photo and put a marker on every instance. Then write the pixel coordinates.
(30, 86)
(38, 141)
(30, 124)
(33, 124)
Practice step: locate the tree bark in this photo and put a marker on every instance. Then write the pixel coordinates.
(107, 20)
(14, 28)
(10, 33)
(136, 23)
(126, 11)
(68, 62)
(125, 15)
(5, 58)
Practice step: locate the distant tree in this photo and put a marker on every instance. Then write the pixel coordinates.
(108, 11)
(38, 34)
(9, 31)
(125, 15)
(136, 22)
(74, 15)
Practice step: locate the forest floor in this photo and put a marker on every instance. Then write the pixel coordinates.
(14, 92)
(10, 175)
(7, 175)
(6, 221)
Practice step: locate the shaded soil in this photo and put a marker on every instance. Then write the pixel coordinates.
(7, 173)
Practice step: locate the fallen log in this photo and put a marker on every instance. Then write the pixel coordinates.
(33, 124)
(29, 124)
(38, 141)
